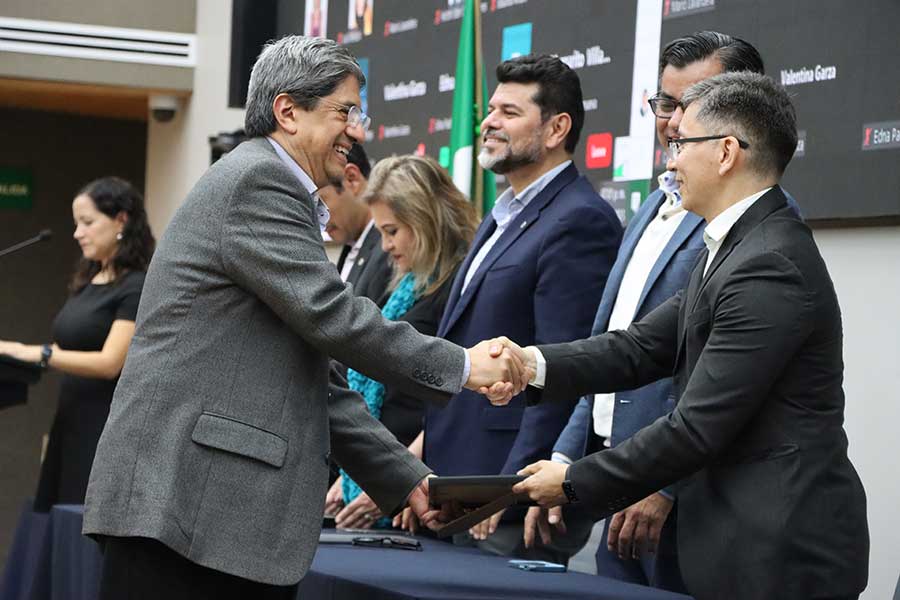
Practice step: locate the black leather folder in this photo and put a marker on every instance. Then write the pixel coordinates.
(472, 499)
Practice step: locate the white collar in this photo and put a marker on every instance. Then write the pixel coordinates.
(298, 172)
(306, 181)
(362, 237)
(716, 231)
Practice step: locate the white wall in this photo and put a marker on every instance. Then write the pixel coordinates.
(865, 266)
(178, 151)
(864, 263)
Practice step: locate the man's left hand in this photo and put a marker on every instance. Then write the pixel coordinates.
(544, 484)
(418, 502)
(636, 529)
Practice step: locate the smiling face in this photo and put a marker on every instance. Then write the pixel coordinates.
(397, 239)
(512, 132)
(697, 166)
(321, 138)
(673, 82)
(95, 232)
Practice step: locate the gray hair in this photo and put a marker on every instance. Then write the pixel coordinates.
(305, 68)
(752, 107)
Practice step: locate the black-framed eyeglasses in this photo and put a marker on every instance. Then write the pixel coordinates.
(353, 114)
(388, 541)
(674, 144)
(663, 106)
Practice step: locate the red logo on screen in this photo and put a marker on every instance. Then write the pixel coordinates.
(598, 154)
(420, 149)
(380, 132)
(387, 28)
(667, 7)
(868, 138)
(437, 16)
(340, 37)
(493, 5)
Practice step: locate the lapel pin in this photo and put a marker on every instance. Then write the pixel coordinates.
(524, 223)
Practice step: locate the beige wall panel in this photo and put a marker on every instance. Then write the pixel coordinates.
(160, 15)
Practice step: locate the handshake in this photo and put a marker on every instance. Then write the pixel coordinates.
(500, 369)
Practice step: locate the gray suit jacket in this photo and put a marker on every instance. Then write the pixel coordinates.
(220, 430)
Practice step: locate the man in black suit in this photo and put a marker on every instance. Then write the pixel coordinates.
(362, 263)
(769, 504)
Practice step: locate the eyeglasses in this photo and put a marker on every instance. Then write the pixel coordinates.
(663, 106)
(396, 542)
(353, 114)
(674, 144)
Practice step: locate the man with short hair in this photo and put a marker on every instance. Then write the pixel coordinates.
(769, 505)
(536, 269)
(210, 474)
(362, 263)
(659, 248)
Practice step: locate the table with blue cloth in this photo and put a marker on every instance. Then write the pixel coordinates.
(50, 559)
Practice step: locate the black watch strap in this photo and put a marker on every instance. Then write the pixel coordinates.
(46, 353)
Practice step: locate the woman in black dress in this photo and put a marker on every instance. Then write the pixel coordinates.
(92, 332)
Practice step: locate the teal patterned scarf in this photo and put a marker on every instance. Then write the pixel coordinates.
(401, 300)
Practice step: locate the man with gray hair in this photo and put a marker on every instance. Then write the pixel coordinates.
(769, 504)
(210, 475)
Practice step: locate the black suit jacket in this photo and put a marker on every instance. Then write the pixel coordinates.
(770, 506)
(371, 271)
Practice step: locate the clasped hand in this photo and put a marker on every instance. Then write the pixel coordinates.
(500, 369)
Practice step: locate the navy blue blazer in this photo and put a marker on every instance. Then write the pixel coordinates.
(635, 409)
(540, 282)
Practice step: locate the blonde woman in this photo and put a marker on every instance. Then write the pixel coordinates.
(426, 227)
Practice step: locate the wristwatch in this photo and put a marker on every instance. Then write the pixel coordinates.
(569, 490)
(46, 353)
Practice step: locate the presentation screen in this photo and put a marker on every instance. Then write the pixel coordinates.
(840, 61)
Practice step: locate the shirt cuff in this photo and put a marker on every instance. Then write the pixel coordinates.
(667, 494)
(540, 375)
(467, 369)
(559, 457)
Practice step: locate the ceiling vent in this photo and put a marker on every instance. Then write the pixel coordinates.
(95, 42)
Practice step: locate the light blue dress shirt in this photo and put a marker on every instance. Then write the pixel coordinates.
(506, 208)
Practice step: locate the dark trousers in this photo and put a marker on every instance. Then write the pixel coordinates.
(145, 569)
(659, 570)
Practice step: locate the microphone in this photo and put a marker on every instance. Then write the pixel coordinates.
(44, 234)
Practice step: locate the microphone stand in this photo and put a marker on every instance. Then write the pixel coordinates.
(45, 234)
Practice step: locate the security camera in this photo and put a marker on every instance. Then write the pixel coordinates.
(163, 108)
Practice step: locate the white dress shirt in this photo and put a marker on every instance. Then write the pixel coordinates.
(716, 231)
(350, 260)
(653, 241)
(506, 208)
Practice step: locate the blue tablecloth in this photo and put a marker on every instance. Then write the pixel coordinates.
(51, 560)
(443, 572)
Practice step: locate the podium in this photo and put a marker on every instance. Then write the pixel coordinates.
(15, 377)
